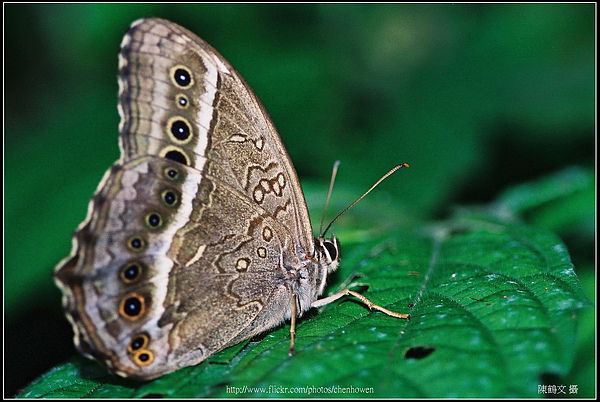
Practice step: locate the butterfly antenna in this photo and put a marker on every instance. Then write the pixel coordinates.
(385, 176)
(333, 174)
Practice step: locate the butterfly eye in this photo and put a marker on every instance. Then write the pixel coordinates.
(131, 272)
(132, 307)
(136, 244)
(138, 349)
(171, 173)
(170, 198)
(180, 129)
(176, 155)
(139, 342)
(143, 357)
(154, 220)
(331, 249)
(182, 101)
(182, 77)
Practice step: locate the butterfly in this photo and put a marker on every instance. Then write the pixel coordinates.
(199, 236)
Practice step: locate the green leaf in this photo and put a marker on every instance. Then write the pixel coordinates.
(559, 202)
(494, 306)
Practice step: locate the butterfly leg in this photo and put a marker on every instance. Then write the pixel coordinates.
(293, 323)
(369, 303)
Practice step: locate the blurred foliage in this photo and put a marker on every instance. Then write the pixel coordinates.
(476, 97)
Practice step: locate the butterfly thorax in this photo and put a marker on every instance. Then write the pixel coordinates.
(306, 277)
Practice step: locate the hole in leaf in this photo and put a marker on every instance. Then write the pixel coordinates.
(418, 352)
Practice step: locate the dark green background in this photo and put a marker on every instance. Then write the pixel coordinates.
(475, 97)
